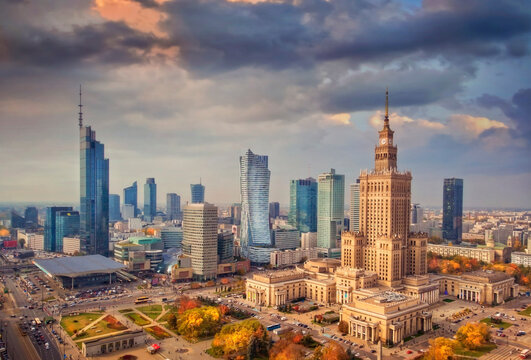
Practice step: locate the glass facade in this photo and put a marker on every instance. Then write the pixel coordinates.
(225, 247)
(254, 190)
(50, 226)
(303, 205)
(452, 229)
(31, 216)
(114, 207)
(274, 210)
(198, 193)
(172, 237)
(330, 208)
(150, 199)
(66, 225)
(94, 194)
(354, 221)
(173, 206)
(131, 196)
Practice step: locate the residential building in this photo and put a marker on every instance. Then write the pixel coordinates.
(66, 225)
(134, 224)
(198, 193)
(172, 237)
(285, 238)
(303, 205)
(354, 224)
(200, 239)
(452, 228)
(290, 257)
(255, 238)
(330, 208)
(131, 197)
(150, 199)
(521, 258)
(487, 255)
(50, 226)
(71, 245)
(308, 240)
(173, 206)
(274, 210)
(114, 207)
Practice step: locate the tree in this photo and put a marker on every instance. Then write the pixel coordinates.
(440, 349)
(240, 339)
(343, 326)
(199, 322)
(473, 335)
(21, 243)
(184, 303)
(332, 351)
(172, 321)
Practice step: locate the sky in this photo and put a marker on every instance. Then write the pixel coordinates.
(179, 89)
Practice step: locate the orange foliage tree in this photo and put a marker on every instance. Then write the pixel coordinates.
(185, 303)
(440, 349)
(473, 335)
(288, 348)
(332, 351)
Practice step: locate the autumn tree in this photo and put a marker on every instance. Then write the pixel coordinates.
(440, 349)
(199, 322)
(172, 321)
(343, 326)
(184, 303)
(288, 348)
(473, 335)
(238, 339)
(331, 351)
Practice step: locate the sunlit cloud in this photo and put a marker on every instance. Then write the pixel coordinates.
(339, 119)
(473, 126)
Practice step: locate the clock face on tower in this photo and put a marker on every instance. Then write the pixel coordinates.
(383, 141)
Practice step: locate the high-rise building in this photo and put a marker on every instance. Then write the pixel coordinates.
(200, 239)
(198, 193)
(114, 207)
(330, 208)
(128, 211)
(131, 197)
(50, 226)
(354, 224)
(286, 238)
(235, 213)
(31, 216)
(383, 244)
(255, 237)
(173, 206)
(417, 214)
(172, 237)
(225, 246)
(150, 199)
(17, 221)
(94, 194)
(274, 210)
(66, 225)
(303, 204)
(452, 226)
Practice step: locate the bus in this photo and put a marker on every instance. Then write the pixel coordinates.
(141, 300)
(273, 327)
(37, 321)
(525, 354)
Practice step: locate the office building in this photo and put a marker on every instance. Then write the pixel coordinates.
(128, 211)
(200, 239)
(50, 226)
(285, 238)
(330, 208)
(66, 225)
(452, 229)
(235, 213)
(150, 199)
(71, 245)
(198, 193)
(31, 217)
(94, 192)
(134, 224)
(140, 253)
(303, 205)
(417, 214)
(173, 206)
(172, 237)
(354, 214)
(255, 238)
(274, 210)
(225, 246)
(308, 240)
(114, 207)
(17, 221)
(131, 197)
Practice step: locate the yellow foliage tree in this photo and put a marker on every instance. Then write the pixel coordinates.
(473, 335)
(440, 349)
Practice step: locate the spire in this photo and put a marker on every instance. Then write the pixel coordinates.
(80, 109)
(386, 119)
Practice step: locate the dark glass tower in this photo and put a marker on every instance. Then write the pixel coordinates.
(114, 207)
(31, 214)
(173, 206)
(94, 195)
(131, 196)
(66, 225)
(274, 210)
(150, 199)
(50, 227)
(303, 205)
(452, 228)
(198, 193)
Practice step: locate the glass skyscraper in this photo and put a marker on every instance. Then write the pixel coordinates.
(354, 223)
(66, 225)
(114, 207)
(198, 193)
(303, 205)
(173, 206)
(131, 196)
(50, 226)
(330, 208)
(94, 194)
(452, 229)
(31, 216)
(150, 199)
(255, 237)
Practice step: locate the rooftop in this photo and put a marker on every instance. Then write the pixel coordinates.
(489, 276)
(74, 266)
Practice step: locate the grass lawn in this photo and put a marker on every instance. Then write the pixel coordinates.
(151, 311)
(503, 324)
(125, 311)
(448, 300)
(170, 307)
(77, 322)
(138, 319)
(475, 353)
(526, 312)
(106, 326)
(157, 332)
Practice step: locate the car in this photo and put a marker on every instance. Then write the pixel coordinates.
(520, 333)
(47, 346)
(357, 354)
(409, 352)
(373, 351)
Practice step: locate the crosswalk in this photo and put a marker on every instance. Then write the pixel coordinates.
(502, 353)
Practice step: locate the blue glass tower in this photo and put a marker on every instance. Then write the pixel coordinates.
(131, 196)
(303, 205)
(114, 207)
(452, 229)
(94, 194)
(50, 227)
(66, 225)
(255, 237)
(150, 199)
(198, 193)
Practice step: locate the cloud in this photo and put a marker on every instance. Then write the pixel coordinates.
(338, 119)
(473, 126)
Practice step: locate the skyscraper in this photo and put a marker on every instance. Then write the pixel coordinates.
(225, 246)
(172, 237)
(274, 210)
(452, 227)
(235, 213)
(31, 215)
(200, 239)
(128, 211)
(114, 207)
(150, 199)
(255, 237)
(131, 197)
(355, 206)
(303, 205)
(198, 193)
(416, 214)
(330, 208)
(173, 206)
(66, 225)
(50, 226)
(94, 194)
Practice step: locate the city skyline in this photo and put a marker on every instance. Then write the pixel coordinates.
(460, 103)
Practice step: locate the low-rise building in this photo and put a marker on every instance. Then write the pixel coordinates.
(482, 254)
(521, 258)
(139, 253)
(291, 257)
(125, 340)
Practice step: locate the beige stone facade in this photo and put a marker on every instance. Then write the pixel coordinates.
(487, 255)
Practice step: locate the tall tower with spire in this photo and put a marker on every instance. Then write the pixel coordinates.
(385, 152)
